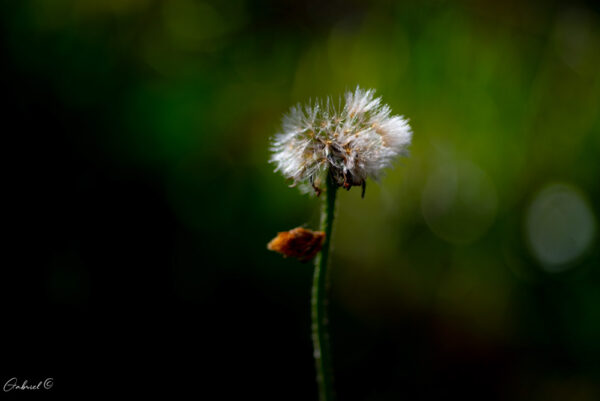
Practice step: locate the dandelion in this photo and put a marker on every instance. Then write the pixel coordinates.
(352, 143)
(338, 146)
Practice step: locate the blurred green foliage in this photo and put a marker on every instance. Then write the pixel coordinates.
(503, 99)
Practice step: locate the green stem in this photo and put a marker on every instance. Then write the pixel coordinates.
(320, 331)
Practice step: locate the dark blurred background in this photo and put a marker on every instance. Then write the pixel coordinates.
(140, 200)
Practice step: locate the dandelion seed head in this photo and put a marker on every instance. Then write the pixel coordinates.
(353, 141)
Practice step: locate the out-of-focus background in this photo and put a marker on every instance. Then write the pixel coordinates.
(137, 138)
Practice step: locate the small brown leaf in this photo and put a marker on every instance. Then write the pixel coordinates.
(299, 243)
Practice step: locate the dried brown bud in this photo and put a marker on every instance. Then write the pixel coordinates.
(299, 243)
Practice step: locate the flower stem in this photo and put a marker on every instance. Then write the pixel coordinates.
(320, 289)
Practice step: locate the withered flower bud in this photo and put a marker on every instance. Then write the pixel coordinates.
(299, 243)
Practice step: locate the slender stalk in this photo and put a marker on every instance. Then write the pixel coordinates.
(320, 299)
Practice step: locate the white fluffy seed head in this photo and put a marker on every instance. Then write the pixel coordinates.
(353, 142)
